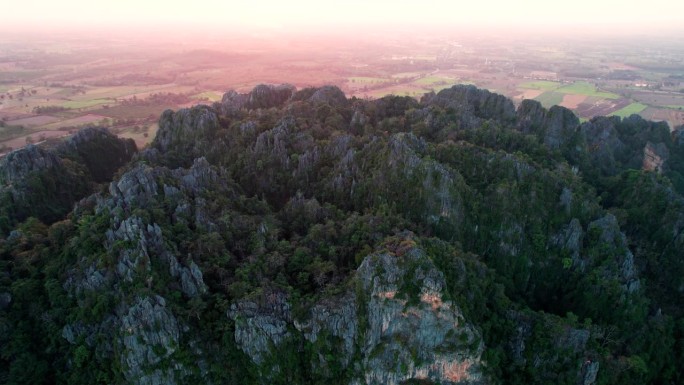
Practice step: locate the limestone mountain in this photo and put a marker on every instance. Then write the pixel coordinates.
(291, 236)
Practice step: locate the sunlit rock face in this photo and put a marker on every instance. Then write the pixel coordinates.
(394, 326)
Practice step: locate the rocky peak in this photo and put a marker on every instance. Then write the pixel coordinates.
(17, 165)
(261, 96)
(99, 150)
(184, 127)
(603, 142)
(331, 95)
(560, 123)
(531, 115)
(470, 99)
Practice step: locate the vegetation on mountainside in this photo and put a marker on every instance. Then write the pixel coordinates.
(292, 198)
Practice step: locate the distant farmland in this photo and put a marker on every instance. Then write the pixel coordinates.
(631, 109)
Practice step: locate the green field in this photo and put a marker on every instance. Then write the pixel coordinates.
(541, 85)
(675, 107)
(133, 112)
(403, 75)
(585, 88)
(213, 96)
(367, 80)
(549, 99)
(633, 108)
(85, 103)
(431, 80)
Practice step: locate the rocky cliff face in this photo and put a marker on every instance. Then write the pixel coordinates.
(18, 165)
(413, 331)
(603, 142)
(531, 116)
(560, 124)
(655, 157)
(262, 96)
(394, 324)
(148, 332)
(185, 129)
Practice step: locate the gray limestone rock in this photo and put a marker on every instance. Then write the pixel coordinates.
(149, 335)
(570, 238)
(17, 165)
(560, 123)
(421, 335)
(262, 96)
(531, 116)
(612, 237)
(261, 325)
(655, 156)
(184, 127)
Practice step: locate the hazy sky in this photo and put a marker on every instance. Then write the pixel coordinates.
(309, 13)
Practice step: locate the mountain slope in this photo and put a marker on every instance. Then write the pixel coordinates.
(297, 236)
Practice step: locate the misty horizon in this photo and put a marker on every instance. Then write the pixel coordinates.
(172, 18)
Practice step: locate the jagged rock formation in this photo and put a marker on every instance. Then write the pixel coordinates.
(469, 100)
(262, 96)
(18, 165)
(401, 334)
(414, 333)
(295, 237)
(560, 124)
(182, 130)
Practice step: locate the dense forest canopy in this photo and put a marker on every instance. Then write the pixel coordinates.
(298, 236)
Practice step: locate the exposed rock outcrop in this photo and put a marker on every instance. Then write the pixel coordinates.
(570, 238)
(414, 333)
(149, 334)
(395, 315)
(610, 236)
(184, 128)
(531, 116)
(603, 143)
(560, 124)
(532, 329)
(5, 300)
(17, 165)
(262, 325)
(655, 157)
(262, 96)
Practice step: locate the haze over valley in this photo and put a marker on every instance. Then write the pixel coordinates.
(359, 193)
(53, 81)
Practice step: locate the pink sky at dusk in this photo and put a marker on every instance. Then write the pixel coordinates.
(309, 13)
